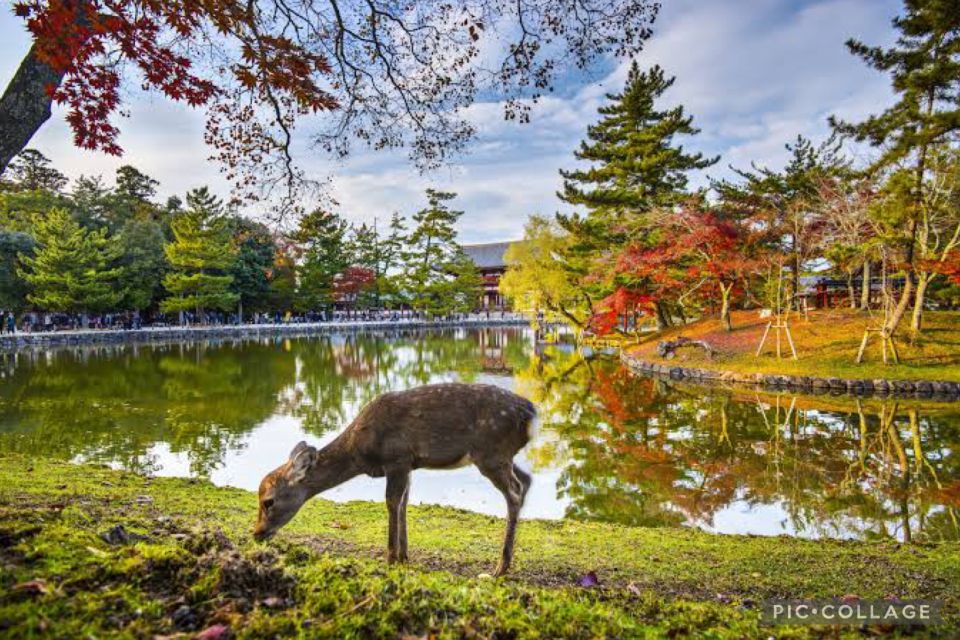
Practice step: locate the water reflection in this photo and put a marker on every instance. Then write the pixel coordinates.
(613, 446)
(642, 451)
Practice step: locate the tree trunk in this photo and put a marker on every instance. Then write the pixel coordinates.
(905, 297)
(25, 105)
(662, 320)
(725, 310)
(865, 286)
(916, 322)
(850, 291)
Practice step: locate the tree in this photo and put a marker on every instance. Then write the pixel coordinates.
(71, 268)
(364, 249)
(392, 255)
(433, 252)
(350, 285)
(31, 171)
(321, 241)
(636, 166)
(924, 69)
(14, 245)
(142, 263)
(133, 184)
(537, 281)
(849, 234)
(391, 76)
(91, 201)
(253, 264)
(200, 256)
(785, 203)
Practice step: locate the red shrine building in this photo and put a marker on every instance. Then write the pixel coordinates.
(490, 262)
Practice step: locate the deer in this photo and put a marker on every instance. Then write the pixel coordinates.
(438, 426)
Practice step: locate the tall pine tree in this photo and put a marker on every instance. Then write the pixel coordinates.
(71, 268)
(636, 165)
(322, 241)
(924, 69)
(200, 255)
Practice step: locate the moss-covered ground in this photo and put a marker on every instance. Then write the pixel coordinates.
(827, 342)
(89, 552)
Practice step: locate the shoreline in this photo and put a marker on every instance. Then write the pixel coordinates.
(23, 340)
(813, 385)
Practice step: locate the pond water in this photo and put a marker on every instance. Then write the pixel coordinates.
(613, 446)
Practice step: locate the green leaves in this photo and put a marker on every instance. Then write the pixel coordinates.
(72, 268)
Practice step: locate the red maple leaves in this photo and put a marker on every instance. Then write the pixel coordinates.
(89, 43)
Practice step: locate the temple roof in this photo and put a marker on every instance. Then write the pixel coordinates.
(488, 255)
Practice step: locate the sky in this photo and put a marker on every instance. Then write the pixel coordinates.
(753, 73)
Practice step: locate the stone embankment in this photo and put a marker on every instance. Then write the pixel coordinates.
(44, 339)
(934, 389)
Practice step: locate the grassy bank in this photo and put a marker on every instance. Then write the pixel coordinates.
(827, 344)
(182, 562)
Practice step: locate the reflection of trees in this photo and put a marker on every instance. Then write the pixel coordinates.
(642, 451)
(631, 449)
(114, 404)
(117, 403)
(339, 374)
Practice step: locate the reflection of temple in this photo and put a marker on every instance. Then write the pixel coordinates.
(493, 351)
(490, 262)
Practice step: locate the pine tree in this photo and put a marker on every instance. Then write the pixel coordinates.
(142, 263)
(322, 239)
(784, 203)
(364, 248)
(32, 171)
(432, 257)
(924, 68)
(392, 257)
(14, 246)
(636, 166)
(253, 264)
(200, 255)
(71, 268)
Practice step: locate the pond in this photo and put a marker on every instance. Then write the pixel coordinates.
(612, 446)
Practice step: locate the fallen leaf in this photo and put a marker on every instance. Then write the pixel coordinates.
(32, 588)
(215, 632)
(589, 580)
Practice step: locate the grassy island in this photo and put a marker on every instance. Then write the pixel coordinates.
(87, 551)
(827, 342)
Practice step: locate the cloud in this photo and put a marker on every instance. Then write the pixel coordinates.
(754, 73)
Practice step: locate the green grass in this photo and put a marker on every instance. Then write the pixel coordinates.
(323, 576)
(826, 345)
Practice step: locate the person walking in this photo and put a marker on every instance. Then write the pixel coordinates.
(11, 323)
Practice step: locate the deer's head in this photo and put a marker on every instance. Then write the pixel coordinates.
(283, 491)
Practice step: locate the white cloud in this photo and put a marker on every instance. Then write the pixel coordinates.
(754, 73)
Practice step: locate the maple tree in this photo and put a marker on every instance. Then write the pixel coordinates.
(389, 74)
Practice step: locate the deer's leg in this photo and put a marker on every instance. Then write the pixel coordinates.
(402, 526)
(397, 484)
(525, 481)
(503, 478)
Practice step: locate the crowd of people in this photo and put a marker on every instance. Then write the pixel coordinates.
(33, 322)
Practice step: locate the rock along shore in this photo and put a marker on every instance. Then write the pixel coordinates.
(933, 389)
(10, 342)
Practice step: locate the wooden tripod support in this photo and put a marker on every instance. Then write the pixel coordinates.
(886, 341)
(780, 325)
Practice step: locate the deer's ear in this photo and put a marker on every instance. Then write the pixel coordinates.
(301, 460)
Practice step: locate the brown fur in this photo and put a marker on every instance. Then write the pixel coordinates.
(437, 426)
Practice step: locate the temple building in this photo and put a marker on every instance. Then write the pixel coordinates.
(490, 262)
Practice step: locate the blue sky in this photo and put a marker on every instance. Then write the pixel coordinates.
(754, 74)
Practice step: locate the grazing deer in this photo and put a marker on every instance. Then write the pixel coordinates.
(441, 426)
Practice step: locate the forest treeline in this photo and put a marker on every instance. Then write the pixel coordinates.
(642, 244)
(89, 248)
